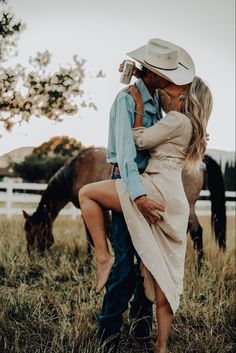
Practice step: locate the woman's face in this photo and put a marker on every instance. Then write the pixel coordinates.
(171, 97)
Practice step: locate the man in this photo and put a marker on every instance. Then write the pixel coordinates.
(161, 60)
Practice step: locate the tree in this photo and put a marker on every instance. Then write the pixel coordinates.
(46, 159)
(9, 30)
(24, 94)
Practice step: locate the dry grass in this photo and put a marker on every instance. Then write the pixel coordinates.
(48, 304)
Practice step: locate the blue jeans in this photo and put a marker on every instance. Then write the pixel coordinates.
(124, 282)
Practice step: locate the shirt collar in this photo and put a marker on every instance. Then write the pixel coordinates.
(146, 96)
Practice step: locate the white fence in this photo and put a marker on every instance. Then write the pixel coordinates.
(11, 198)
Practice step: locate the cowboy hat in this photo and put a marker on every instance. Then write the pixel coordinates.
(167, 60)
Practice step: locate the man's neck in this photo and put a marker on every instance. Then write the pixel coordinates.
(151, 89)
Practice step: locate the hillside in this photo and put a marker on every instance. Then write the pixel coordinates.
(18, 155)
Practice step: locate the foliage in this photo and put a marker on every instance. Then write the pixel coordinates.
(48, 95)
(26, 93)
(58, 145)
(46, 159)
(34, 169)
(9, 30)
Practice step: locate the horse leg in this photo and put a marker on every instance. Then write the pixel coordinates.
(195, 230)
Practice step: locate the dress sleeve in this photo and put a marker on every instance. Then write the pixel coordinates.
(169, 127)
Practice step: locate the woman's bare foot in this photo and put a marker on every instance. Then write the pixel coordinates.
(103, 270)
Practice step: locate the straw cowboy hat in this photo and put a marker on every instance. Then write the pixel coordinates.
(167, 60)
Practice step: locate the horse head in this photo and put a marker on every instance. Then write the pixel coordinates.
(38, 231)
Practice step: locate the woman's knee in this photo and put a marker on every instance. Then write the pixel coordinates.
(84, 193)
(161, 300)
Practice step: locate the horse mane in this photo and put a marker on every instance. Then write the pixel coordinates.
(59, 190)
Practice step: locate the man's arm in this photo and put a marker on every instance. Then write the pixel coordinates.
(125, 147)
(126, 154)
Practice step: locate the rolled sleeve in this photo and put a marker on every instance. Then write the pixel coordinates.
(125, 148)
(170, 126)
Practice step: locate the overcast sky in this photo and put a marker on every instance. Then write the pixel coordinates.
(102, 32)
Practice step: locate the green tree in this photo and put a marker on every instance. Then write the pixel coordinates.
(26, 93)
(46, 159)
(62, 146)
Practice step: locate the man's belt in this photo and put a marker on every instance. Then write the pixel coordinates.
(115, 170)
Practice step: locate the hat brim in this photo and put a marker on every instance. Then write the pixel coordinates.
(182, 75)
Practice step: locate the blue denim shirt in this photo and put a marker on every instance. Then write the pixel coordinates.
(121, 147)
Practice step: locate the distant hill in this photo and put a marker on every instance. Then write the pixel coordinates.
(17, 155)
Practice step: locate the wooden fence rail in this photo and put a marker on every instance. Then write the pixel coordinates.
(16, 196)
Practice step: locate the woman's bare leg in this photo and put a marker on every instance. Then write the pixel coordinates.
(94, 198)
(164, 320)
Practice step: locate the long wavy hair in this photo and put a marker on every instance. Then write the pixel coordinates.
(197, 106)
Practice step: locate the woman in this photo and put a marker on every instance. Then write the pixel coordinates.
(179, 138)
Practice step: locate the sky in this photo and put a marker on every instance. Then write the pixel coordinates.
(102, 32)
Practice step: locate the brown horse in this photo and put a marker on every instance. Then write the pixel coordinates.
(90, 166)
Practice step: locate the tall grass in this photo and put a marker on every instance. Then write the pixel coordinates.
(48, 304)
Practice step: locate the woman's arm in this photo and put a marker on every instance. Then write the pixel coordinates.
(169, 128)
(139, 106)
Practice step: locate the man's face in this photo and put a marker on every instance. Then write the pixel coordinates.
(160, 82)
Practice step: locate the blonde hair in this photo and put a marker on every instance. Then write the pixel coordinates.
(197, 106)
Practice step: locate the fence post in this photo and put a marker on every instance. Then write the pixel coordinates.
(9, 198)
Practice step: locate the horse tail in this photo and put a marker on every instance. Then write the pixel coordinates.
(215, 182)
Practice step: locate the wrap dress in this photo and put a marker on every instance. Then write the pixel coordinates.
(162, 246)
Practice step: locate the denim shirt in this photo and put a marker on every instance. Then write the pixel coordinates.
(121, 147)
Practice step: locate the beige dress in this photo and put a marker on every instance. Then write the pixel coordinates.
(161, 246)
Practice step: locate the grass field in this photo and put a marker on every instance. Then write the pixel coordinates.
(49, 305)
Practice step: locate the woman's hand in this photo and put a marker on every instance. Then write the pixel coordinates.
(136, 72)
(139, 106)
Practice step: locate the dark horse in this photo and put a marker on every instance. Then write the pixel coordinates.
(90, 166)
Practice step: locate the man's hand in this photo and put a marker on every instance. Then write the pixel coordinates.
(136, 72)
(149, 209)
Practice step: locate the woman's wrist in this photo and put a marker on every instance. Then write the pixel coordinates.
(138, 118)
(138, 113)
(139, 108)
